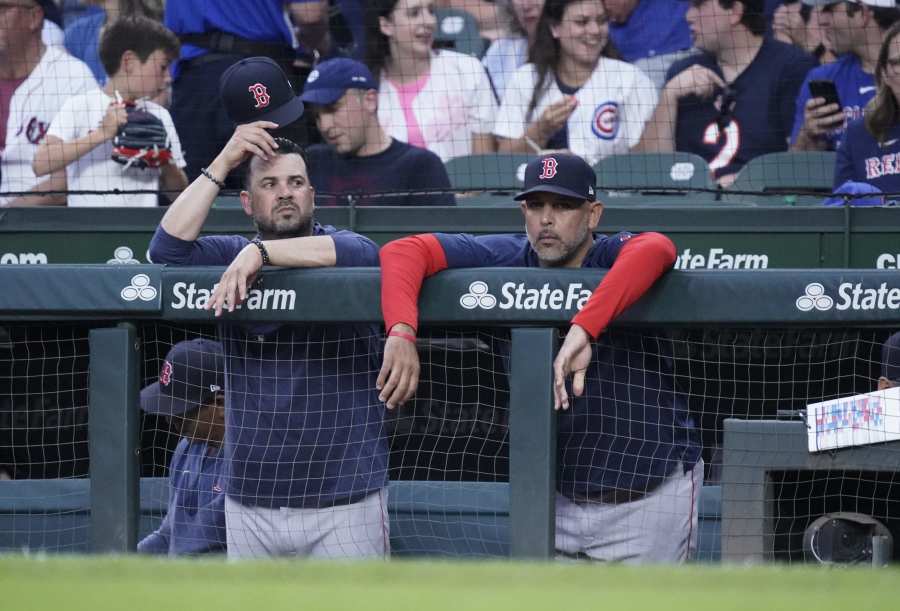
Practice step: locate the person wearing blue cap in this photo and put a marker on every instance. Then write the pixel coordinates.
(190, 395)
(629, 467)
(890, 363)
(359, 160)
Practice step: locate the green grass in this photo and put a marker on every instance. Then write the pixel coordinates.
(135, 584)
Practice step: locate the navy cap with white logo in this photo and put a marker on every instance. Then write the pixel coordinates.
(257, 89)
(890, 358)
(193, 372)
(329, 80)
(560, 173)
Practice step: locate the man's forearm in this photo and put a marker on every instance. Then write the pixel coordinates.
(312, 251)
(185, 217)
(48, 192)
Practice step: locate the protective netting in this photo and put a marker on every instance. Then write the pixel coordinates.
(447, 456)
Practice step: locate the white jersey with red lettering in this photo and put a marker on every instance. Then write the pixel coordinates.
(57, 77)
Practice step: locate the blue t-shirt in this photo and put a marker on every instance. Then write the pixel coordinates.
(855, 88)
(303, 423)
(195, 519)
(257, 20)
(400, 167)
(762, 113)
(82, 40)
(655, 27)
(629, 429)
(861, 159)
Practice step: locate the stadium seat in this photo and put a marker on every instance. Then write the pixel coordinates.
(487, 180)
(458, 30)
(227, 201)
(664, 177)
(788, 175)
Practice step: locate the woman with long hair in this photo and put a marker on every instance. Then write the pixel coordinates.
(870, 150)
(436, 99)
(574, 94)
(509, 53)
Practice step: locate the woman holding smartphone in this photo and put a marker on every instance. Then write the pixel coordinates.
(870, 151)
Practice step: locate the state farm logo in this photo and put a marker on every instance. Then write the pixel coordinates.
(519, 296)
(478, 297)
(850, 296)
(814, 298)
(139, 289)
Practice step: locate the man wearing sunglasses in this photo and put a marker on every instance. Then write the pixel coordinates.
(735, 100)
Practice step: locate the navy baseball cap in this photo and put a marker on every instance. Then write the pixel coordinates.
(257, 89)
(192, 373)
(890, 358)
(559, 173)
(329, 80)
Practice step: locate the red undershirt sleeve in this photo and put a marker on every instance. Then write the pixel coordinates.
(642, 260)
(405, 263)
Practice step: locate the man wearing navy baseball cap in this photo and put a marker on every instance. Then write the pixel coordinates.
(628, 452)
(359, 160)
(190, 395)
(890, 363)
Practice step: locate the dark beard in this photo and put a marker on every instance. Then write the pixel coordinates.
(280, 231)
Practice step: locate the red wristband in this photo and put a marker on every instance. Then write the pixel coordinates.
(407, 336)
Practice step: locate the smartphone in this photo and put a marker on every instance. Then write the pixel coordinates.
(825, 89)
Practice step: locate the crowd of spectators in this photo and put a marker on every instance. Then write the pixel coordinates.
(728, 80)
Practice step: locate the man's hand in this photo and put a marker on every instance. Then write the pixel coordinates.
(399, 375)
(247, 140)
(697, 80)
(232, 288)
(573, 358)
(819, 118)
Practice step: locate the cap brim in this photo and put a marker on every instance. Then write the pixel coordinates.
(154, 402)
(549, 189)
(284, 115)
(324, 96)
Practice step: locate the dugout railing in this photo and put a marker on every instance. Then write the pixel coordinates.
(749, 331)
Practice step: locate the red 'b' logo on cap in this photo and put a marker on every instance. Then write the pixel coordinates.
(260, 94)
(165, 376)
(548, 169)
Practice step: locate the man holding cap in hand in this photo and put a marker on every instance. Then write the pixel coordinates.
(360, 160)
(629, 469)
(190, 394)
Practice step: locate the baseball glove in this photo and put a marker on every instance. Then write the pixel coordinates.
(142, 142)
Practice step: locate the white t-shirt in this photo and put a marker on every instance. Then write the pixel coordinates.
(96, 171)
(613, 106)
(503, 58)
(455, 102)
(36, 101)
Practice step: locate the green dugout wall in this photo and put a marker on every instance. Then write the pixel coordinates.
(712, 236)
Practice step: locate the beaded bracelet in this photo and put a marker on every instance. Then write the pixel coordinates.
(212, 178)
(262, 250)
